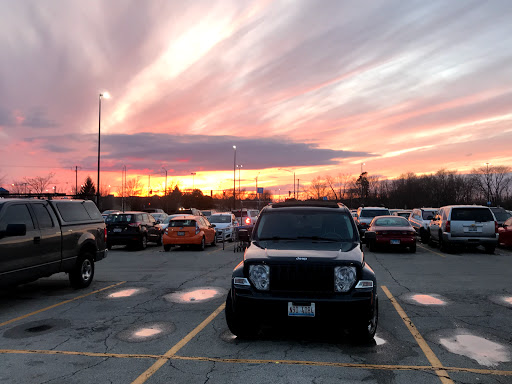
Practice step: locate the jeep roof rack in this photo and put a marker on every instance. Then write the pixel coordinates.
(309, 203)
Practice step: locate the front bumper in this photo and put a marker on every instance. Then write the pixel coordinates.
(344, 309)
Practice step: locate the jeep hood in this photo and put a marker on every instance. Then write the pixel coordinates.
(275, 251)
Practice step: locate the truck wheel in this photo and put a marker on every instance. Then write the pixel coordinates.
(424, 236)
(238, 326)
(109, 246)
(83, 272)
(167, 247)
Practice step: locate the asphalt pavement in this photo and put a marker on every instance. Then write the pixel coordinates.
(158, 317)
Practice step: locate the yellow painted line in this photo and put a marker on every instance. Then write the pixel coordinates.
(73, 353)
(171, 352)
(59, 304)
(432, 358)
(258, 361)
(344, 365)
(431, 251)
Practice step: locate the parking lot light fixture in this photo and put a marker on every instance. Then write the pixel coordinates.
(287, 170)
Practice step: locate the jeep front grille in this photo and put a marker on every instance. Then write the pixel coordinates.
(301, 278)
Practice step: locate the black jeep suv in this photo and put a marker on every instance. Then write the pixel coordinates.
(304, 261)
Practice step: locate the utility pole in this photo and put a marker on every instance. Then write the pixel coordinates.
(298, 189)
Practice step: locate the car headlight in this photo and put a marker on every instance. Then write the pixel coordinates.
(344, 278)
(260, 276)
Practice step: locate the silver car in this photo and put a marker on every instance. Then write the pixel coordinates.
(464, 225)
(420, 220)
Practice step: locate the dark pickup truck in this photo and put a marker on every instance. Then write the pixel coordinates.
(41, 237)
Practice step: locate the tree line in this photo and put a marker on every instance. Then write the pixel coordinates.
(485, 185)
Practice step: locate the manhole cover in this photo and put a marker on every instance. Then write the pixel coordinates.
(36, 328)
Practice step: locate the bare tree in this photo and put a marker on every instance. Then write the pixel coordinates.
(318, 188)
(331, 183)
(133, 187)
(39, 184)
(493, 182)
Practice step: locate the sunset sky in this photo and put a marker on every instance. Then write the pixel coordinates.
(315, 87)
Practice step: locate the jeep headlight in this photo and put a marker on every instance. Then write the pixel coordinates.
(260, 276)
(344, 278)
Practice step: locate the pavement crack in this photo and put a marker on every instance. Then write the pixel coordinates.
(58, 345)
(209, 373)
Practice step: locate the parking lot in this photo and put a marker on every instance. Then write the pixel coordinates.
(158, 317)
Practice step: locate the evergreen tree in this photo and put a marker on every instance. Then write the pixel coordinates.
(88, 189)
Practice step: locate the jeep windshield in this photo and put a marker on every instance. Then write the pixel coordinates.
(306, 225)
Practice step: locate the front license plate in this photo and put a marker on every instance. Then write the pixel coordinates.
(117, 229)
(301, 310)
(181, 233)
(394, 242)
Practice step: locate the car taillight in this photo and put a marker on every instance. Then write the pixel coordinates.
(105, 229)
(134, 225)
(247, 220)
(447, 228)
(496, 227)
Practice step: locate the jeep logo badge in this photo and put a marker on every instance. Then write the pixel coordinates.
(301, 258)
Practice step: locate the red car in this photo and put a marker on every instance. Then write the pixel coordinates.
(506, 233)
(390, 231)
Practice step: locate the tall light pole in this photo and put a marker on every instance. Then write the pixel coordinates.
(239, 166)
(104, 95)
(234, 179)
(257, 194)
(123, 187)
(193, 183)
(287, 170)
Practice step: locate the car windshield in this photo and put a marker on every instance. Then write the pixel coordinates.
(182, 223)
(472, 214)
(122, 218)
(391, 222)
(295, 225)
(500, 214)
(220, 219)
(428, 215)
(374, 212)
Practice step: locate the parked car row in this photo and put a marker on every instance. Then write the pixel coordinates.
(449, 226)
(189, 227)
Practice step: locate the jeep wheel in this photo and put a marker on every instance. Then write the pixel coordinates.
(83, 272)
(238, 326)
(366, 332)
